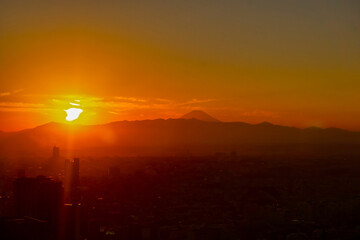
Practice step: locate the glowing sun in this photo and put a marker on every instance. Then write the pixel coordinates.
(73, 113)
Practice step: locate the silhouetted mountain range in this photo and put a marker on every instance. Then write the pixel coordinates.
(199, 115)
(171, 136)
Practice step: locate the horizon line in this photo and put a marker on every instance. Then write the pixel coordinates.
(165, 119)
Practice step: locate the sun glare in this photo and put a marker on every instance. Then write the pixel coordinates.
(73, 114)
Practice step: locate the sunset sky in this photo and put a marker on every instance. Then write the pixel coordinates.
(294, 63)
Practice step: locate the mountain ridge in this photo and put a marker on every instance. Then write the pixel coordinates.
(199, 115)
(170, 136)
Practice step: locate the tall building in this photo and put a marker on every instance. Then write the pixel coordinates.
(72, 181)
(56, 152)
(39, 198)
(73, 199)
(53, 165)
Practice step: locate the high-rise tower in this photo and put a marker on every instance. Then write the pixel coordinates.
(39, 198)
(73, 199)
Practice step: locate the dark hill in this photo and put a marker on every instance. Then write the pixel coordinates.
(171, 137)
(199, 115)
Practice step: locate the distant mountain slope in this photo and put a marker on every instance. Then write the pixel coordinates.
(199, 115)
(172, 135)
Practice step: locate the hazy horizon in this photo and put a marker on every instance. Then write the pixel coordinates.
(74, 124)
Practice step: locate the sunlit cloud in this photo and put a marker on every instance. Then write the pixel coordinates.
(115, 113)
(21, 104)
(198, 101)
(130, 99)
(20, 107)
(18, 91)
(163, 100)
(125, 103)
(5, 94)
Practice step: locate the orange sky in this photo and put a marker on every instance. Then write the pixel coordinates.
(293, 63)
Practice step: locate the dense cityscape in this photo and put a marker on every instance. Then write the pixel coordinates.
(220, 196)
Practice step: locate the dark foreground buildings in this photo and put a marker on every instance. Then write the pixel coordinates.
(42, 208)
(37, 204)
(220, 197)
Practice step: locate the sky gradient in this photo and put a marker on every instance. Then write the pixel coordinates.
(293, 63)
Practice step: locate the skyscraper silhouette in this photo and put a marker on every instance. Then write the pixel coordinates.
(39, 198)
(52, 166)
(73, 199)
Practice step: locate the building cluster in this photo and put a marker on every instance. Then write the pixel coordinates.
(43, 208)
(224, 196)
